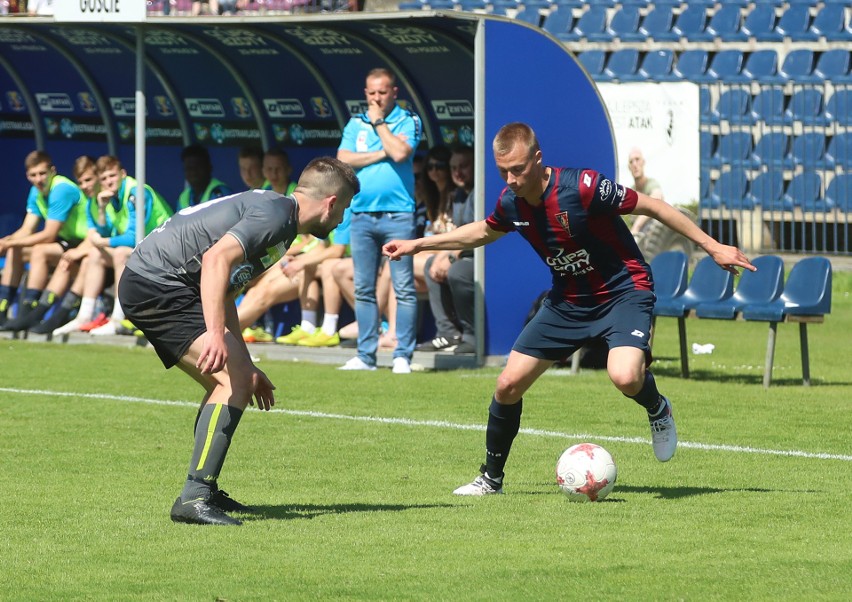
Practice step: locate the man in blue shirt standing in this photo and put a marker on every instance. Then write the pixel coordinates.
(379, 144)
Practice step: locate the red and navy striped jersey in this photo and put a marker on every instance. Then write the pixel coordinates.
(578, 231)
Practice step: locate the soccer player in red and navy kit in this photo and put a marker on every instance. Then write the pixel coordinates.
(602, 286)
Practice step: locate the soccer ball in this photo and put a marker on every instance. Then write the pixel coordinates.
(585, 472)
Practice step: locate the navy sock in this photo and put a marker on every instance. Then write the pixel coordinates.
(7, 293)
(649, 396)
(503, 424)
(31, 296)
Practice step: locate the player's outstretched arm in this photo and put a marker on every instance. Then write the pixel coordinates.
(727, 257)
(469, 236)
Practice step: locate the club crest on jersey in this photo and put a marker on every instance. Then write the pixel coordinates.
(562, 218)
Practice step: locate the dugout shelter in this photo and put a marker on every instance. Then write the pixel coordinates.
(73, 87)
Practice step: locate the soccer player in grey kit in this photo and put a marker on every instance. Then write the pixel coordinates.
(179, 288)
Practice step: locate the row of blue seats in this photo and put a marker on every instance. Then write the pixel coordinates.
(762, 296)
(501, 6)
(801, 65)
(696, 23)
(734, 190)
(771, 106)
(776, 149)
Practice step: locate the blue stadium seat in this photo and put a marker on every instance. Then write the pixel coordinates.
(725, 24)
(730, 189)
(733, 106)
(808, 149)
(592, 24)
(670, 273)
(704, 109)
(530, 14)
(560, 23)
(839, 192)
(704, 189)
(501, 7)
(771, 150)
(727, 66)
(838, 109)
(794, 24)
(472, 5)
(412, 5)
(768, 106)
(763, 286)
(804, 191)
(734, 149)
(833, 66)
(623, 65)
(831, 23)
(806, 107)
(707, 146)
(798, 66)
(441, 4)
(691, 65)
(767, 190)
(759, 24)
(839, 152)
(691, 24)
(624, 25)
(657, 66)
(593, 61)
(762, 66)
(657, 24)
(636, 3)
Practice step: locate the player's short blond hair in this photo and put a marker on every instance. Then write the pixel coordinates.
(514, 133)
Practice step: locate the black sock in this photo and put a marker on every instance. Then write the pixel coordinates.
(503, 424)
(71, 300)
(649, 397)
(31, 296)
(216, 426)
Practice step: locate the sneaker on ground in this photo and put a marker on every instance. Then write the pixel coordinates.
(401, 366)
(320, 339)
(356, 363)
(663, 432)
(200, 512)
(481, 485)
(257, 335)
(439, 344)
(107, 329)
(296, 335)
(72, 326)
(464, 348)
(226, 503)
(126, 328)
(60, 317)
(100, 320)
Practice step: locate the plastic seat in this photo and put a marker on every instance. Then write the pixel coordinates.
(657, 24)
(839, 192)
(472, 5)
(441, 4)
(833, 66)
(798, 66)
(762, 66)
(794, 24)
(706, 147)
(704, 190)
(622, 65)
(730, 189)
(838, 109)
(734, 149)
(804, 191)
(830, 23)
(771, 150)
(530, 14)
(767, 190)
(657, 66)
(839, 152)
(733, 106)
(725, 24)
(412, 5)
(806, 107)
(806, 298)
(559, 23)
(669, 270)
(727, 66)
(592, 24)
(593, 61)
(691, 65)
(808, 149)
(759, 24)
(763, 286)
(704, 109)
(624, 24)
(709, 284)
(691, 23)
(768, 106)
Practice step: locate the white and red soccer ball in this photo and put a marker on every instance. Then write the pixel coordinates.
(586, 472)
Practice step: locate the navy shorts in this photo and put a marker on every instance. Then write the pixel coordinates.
(559, 328)
(170, 316)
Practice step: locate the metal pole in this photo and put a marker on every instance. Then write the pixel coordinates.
(140, 133)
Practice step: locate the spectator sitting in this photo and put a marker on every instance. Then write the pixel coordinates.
(250, 161)
(198, 172)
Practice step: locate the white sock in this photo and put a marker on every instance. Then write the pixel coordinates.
(87, 309)
(117, 312)
(309, 321)
(329, 324)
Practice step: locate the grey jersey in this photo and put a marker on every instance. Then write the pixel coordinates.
(264, 222)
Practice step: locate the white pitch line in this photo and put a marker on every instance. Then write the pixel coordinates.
(455, 426)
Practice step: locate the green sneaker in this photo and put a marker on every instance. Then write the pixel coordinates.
(320, 339)
(296, 335)
(257, 335)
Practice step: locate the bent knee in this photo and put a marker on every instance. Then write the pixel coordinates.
(627, 380)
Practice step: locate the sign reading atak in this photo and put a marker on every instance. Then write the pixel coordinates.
(125, 11)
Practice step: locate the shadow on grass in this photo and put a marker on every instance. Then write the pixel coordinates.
(741, 378)
(309, 511)
(673, 493)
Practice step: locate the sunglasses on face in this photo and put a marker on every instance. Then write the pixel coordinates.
(437, 165)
